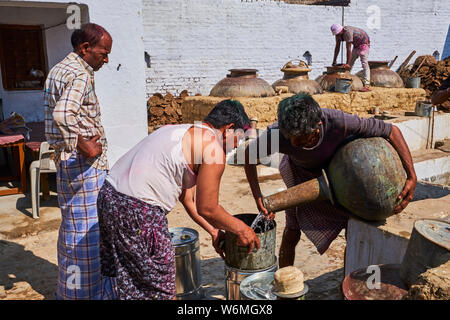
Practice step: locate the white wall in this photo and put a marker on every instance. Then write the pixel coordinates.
(121, 92)
(192, 43)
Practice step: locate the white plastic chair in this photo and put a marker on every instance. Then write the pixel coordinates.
(44, 165)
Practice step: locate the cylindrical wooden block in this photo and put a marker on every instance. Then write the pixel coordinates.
(306, 192)
(428, 247)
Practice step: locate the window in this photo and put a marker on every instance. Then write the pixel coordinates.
(22, 57)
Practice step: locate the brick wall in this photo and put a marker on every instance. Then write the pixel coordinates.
(192, 43)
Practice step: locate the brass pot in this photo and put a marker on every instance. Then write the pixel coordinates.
(242, 83)
(328, 79)
(297, 80)
(382, 76)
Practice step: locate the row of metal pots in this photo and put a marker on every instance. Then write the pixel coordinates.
(246, 83)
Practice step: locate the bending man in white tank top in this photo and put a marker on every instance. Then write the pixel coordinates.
(145, 184)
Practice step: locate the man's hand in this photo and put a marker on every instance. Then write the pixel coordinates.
(248, 239)
(217, 238)
(267, 215)
(407, 195)
(89, 148)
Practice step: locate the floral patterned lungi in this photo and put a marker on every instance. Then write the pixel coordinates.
(135, 246)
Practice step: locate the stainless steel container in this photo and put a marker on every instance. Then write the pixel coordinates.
(187, 263)
(423, 109)
(260, 287)
(234, 277)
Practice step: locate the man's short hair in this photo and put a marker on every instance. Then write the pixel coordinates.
(89, 32)
(299, 115)
(226, 112)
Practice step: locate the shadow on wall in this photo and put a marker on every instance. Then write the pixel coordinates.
(28, 275)
(446, 50)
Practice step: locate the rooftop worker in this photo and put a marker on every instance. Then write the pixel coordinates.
(309, 136)
(442, 95)
(176, 162)
(73, 128)
(361, 45)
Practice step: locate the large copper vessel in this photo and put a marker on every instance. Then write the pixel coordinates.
(382, 76)
(328, 80)
(242, 83)
(297, 80)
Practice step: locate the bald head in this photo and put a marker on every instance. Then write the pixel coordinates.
(92, 43)
(90, 33)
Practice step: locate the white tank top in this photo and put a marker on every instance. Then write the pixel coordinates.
(155, 170)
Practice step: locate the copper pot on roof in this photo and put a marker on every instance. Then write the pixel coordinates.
(382, 76)
(242, 83)
(328, 79)
(297, 80)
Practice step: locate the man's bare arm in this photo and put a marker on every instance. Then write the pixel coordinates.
(440, 96)
(399, 143)
(337, 48)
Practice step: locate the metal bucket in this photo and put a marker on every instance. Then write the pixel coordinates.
(343, 85)
(234, 277)
(238, 257)
(187, 263)
(412, 82)
(423, 109)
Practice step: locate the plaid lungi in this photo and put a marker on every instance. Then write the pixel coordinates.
(79, 276)
(320, 221)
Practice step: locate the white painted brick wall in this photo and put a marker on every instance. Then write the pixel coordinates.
(192, 43)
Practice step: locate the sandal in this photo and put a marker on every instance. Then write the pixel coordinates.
(365, 89)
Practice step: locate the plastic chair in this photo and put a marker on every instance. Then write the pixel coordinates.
(44, 165)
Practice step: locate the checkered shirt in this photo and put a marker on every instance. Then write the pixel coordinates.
(71, 108)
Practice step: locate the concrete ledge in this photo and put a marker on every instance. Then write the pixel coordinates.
(370, 243)
(265, 109)
(432, 166)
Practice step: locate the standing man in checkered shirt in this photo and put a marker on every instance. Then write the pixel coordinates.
(73, 128)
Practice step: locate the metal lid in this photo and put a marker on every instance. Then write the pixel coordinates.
(183, 236)
(437, 231)
(258, 286)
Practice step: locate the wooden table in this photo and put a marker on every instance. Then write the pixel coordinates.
(17, 142)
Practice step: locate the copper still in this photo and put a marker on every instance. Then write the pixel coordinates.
(328, 79)
(382, 76)
(242, 83)
(297, 80)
